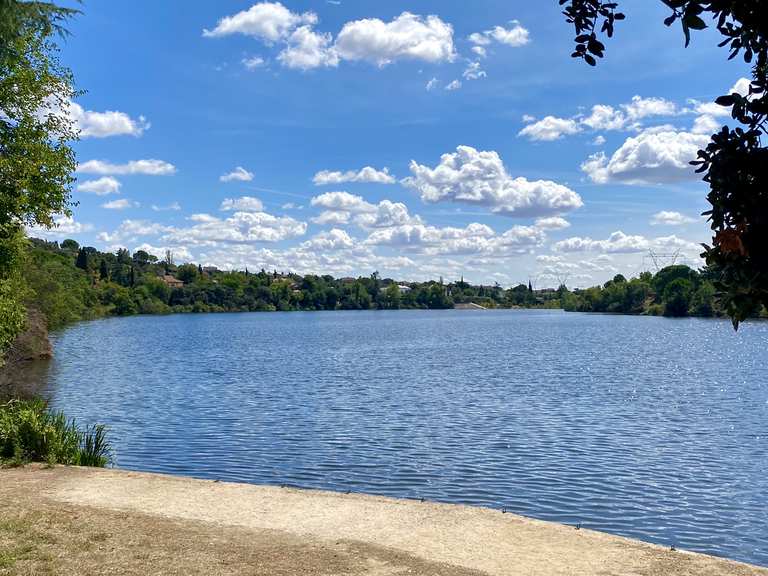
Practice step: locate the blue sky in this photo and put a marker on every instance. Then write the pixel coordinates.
(420, 139)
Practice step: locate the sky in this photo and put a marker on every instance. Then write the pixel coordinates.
(419, 139)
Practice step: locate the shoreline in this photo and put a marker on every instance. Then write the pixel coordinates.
(379, 535)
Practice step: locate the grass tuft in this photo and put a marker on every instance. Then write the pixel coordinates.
(29, 432)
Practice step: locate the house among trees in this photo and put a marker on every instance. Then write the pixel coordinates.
(172, 282)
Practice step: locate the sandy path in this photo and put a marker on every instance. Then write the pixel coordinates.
(385, 536)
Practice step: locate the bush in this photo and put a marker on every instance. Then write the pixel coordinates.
(29, 432)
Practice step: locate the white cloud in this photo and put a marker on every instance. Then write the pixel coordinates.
(64, 226)
(269, 21)
(408, 36)
(620, 243)
(605, 117)
(180, 253)
(147, 167)
(599, 140)
(366, 174)
(332, 217)
(473, 72)
(330, 240)
(101, 186)
(239, 174)
(131, 230)
(104, 124)
(240, 228)
(120, 204)
(453, 85)
(474, 239)
(706, 124)
(432, 84)
(550, 128)
(552, 223)
(480, 51)
(475, 177)
(172, 207)
(651, 157)
(640, 108)
(387, 215)
(670, 218)
(308, 49)
(242, 204)
(342, 202)
(254, 62)
(515, 36)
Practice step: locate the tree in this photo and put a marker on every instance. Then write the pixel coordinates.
(677, 296)
(82, 259)
(36, 160)
(103, 270)
(735, 162)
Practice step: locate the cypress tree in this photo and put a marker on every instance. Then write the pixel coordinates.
(82, 259)
(103, 270)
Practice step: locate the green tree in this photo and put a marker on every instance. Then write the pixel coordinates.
(677, 297)
(36, 160)
(735, 162)
(103, 270)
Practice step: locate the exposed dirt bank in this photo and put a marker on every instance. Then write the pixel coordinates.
(85, 521)
(24, 364)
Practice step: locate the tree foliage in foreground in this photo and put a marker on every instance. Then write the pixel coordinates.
(36, 159)
(735, 163)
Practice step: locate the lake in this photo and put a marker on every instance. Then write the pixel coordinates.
(651, 428)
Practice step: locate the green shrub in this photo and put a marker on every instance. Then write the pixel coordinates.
(29, 432)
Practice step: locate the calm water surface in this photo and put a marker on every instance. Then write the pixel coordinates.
(646, 427)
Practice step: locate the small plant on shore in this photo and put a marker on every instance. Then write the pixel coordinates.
(29, 432)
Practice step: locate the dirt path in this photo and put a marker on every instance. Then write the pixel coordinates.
(85, 521)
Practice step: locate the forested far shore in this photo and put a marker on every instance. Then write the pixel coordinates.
(69, 282)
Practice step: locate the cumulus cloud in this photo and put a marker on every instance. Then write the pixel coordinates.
(64, 226)
(408, 36)
(431, 84)
(342, 202)
(366, 174)
(330, 240)
(651, 157)
(308, 49)
(120, 204)
(552, 223)
(242, 204)
(670, 218)
(332, 217)
(550, 128)
(453, 85)
(480, 178)
(386, 215)
(101, 186)
(474, 239)
(240, 228)
(268, 21)
(92, 124)
(147, 167)
(515, 36)
(239, 174)
(132, 230)
(620, 243)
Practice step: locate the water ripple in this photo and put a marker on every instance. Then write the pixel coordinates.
(644, 427)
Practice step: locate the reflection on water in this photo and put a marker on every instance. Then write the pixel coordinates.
(645, 427)
(25, 379)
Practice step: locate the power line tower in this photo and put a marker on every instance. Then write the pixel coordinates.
(660, 260)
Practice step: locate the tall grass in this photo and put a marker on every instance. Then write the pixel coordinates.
(29, 432)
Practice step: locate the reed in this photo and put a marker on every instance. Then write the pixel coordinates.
(30, 432)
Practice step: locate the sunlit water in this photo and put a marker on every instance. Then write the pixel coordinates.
(646, 427)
